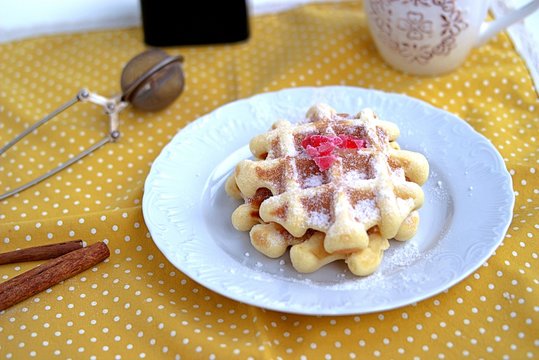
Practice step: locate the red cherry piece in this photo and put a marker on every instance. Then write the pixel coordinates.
(325, 162)
(320, 147)
(306, 142)
(312, 151)
(360, 143)
(351, 142)
(313, 140)
(326, 148)
(337, 141)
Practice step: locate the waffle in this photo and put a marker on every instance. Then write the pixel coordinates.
(332, 187)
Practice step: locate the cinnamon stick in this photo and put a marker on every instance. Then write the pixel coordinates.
(43, 252)
(51, 273)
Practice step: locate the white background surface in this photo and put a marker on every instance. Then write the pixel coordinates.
(20, 19)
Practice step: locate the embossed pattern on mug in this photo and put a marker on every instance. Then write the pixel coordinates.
(411, 35)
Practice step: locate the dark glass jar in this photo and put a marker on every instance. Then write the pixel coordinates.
(174, 23)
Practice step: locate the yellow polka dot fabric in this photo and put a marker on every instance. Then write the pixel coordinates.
(136, 304)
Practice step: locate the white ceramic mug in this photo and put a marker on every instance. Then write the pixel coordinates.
(432, 37)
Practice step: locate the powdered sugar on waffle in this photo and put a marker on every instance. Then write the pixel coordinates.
(354, 176)
(319, 219)
(314, 181)
(366, 211)
(337, 174)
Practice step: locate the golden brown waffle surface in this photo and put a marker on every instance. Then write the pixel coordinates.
(333, 187)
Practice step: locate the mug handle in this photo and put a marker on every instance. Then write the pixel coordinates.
(489, 29)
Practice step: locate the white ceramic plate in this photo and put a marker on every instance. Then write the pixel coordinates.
(468, 207)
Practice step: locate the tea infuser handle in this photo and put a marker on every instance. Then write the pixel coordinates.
(41, 122)
(107, 139)
(112, 108)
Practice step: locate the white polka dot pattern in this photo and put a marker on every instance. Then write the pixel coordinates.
(136, 305)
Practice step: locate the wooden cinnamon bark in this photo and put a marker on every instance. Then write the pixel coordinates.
(44, 252)
(50, 273)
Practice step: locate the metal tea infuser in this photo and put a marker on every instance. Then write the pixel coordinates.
(150, 81)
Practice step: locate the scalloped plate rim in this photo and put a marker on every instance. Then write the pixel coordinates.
(200, 123)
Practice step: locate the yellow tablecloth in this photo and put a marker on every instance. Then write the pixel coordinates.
(136, 304)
